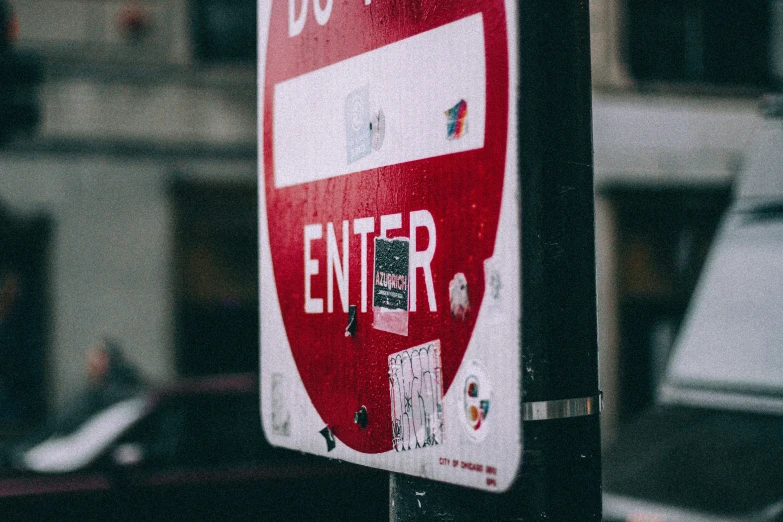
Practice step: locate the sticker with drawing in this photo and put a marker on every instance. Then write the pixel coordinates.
(416, 392)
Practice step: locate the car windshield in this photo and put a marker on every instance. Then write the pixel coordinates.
(732, 339)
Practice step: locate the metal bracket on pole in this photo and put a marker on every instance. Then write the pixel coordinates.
(562, 409)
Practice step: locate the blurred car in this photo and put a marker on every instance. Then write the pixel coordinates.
(712, 447)
(192, 451)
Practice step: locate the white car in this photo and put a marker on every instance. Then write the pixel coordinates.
(712, 447)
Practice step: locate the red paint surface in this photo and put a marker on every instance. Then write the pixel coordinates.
(462, 192)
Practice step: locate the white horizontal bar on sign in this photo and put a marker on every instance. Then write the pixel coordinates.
(413, 82)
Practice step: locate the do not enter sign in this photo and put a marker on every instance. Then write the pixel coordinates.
(390, 293)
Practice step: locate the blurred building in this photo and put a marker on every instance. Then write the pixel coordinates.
(140, 183)
(143, 169)
(677, 85)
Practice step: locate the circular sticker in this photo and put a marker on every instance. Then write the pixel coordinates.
(476, 402)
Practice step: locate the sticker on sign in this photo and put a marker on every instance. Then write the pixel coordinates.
(387, 186)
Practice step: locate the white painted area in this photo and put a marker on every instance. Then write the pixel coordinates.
(362, 227)
(422, 259)
(659, 139)
(337, 266)
(412, 81)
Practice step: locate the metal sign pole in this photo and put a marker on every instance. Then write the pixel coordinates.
(560, 476)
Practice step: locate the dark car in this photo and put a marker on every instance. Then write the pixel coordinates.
(712, 447)
(195, 451)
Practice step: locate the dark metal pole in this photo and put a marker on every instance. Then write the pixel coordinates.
(560, 478)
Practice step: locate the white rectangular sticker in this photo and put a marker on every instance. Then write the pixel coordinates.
(416, 392)
(322, 119)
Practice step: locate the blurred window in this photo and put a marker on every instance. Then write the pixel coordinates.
(711, 42)
(224, 30)
(216, 291)
(24, 319)
(664, 235)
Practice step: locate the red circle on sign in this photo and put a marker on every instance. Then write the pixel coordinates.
(462, 191)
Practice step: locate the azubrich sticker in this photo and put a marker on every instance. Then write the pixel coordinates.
(390, 285)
